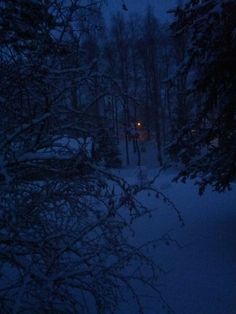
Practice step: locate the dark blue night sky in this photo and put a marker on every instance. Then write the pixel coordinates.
(138, 6)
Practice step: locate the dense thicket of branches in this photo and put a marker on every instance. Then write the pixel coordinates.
(64, 220)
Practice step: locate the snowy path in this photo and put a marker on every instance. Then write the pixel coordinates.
(201, 276)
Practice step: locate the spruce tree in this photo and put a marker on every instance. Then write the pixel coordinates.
(206, 144)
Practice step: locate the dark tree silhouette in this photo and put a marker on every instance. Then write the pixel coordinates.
(206, 143)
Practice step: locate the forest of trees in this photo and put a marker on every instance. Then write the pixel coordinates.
(67, 77)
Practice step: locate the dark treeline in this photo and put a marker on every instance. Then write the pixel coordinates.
(178, 80)
(138, 57)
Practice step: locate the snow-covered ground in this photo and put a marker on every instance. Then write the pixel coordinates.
(200, 275)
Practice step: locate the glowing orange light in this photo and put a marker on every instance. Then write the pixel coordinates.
(139, 124)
